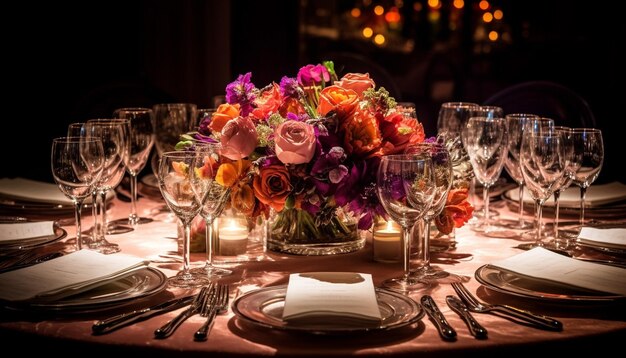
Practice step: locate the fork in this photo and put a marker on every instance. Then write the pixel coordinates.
(474, 305)
(167, 329)
(219, 304)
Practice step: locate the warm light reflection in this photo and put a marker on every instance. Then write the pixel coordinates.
(379, 39)
(368, 32)
(483, 4)
(434, 16)
(493, 35)
(498, 14)
(435, 4)
(393, 16)
(417, 6)
(379, 10)
(459, 4)
(355, 12)
(487, 17)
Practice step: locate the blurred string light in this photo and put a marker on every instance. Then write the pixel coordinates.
(459, 4)
(368, 32)
(493, 35)
(355, 12)
(487, 17)
(379, 10)
(434, 4)
(498, 14)
(483, 4)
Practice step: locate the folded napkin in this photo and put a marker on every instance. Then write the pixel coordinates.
(601, 194)
(18, 231)
(36, 191)
(67, 275)
(543, 264)
(331, 298)
(611, 238)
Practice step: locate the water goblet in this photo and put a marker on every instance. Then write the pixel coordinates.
(406, 188)
(174, 176)
(76, 167)
(141, 140)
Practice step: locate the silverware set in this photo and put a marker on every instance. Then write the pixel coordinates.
(210, 301)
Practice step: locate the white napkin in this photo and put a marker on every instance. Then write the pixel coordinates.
(331, 298)
(25, 230)
(600, 194)
(67, 275)
(37, 191)
(544, 264)
(612, 238)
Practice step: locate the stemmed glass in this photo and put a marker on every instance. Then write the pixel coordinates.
(76, 167)
(486, 142)
(543, 165)
(571, 166)
(453, 116)
(515, 126)
(114, 136)
(589, 153)
(141, 141)
(212, 196)
(442, 165)
(170, 121)
(174, 175)
(406, 188)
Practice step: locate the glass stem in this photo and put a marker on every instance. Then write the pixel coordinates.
(425, 244)
(487, 225)
(186, 244)
(406, 246)
(539, 223)
(583, 193)
(133, 219)
(209, 240)
(521, 205)
(95, 231)
(103, 215)
(557, 195)
(78, 207)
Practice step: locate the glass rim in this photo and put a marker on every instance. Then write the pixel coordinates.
(460, 105)
(72, 139)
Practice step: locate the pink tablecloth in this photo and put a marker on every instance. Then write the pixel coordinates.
(586, 328)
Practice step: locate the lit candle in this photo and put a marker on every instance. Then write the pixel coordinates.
(233, 238)
(386, 241)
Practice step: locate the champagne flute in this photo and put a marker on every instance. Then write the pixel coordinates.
(406, 188)
(141, 140)
(211, 195)
(486, 141)
(515, 126)
(174, 176)
(77, 164)
(589, 152)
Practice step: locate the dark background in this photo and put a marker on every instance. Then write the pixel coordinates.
(65, 63)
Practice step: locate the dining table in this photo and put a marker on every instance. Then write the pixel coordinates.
(587, 327)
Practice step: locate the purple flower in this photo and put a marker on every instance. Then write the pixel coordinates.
(289, 87)
(311, 75)
(358, 192)
(242, 91)
(328, 171)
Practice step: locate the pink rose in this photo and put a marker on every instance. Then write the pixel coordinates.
(295, 142)
(239, 138)
(358, 82)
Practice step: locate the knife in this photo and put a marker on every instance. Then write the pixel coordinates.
(445, 330)
(478, 331)
(112, 323)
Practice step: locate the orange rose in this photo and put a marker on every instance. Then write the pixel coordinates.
(358, 82)
(272, 186)
(267, 103)
(398, 132)
(362, 136)
(456, 212)
(343, 101)
(224, 113)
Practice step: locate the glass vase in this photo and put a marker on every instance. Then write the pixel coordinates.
(295, 231)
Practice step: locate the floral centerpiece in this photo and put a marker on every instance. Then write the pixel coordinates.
(307, 149)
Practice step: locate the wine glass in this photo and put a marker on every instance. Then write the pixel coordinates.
(515, 126)
(406, 188)
(170, 121)
(114, 136)
(174, 176)
(76, 167)
(453, 116)
(141, 141)
(212, 196)
(442, 165)
(589, 153)
(543, 165)
(486, 142)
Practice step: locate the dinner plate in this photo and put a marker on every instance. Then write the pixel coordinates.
(140, 283)
(31, 243)
(602, 246)
(264, 308)
(517, 285)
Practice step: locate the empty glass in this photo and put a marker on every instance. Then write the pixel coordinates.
(170, 121)
(76, 167)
